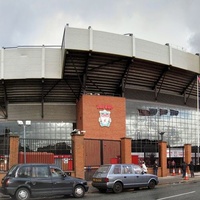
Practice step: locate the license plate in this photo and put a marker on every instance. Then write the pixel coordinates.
(96, 179)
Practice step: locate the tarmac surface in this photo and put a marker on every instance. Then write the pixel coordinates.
(175, 179)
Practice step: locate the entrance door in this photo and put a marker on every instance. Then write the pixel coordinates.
(99, 152)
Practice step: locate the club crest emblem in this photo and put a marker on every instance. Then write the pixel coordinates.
(104, 118)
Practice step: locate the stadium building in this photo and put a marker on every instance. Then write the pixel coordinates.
(110, 88)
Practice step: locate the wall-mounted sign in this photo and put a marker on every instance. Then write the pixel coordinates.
(104, 107)
(104, 118)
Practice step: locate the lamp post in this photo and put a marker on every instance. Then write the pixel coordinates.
(24, 124)
(78, 132)
(161, 133)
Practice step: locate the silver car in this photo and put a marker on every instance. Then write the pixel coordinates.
(122, 176)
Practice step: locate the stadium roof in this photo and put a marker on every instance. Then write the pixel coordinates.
(103, 67)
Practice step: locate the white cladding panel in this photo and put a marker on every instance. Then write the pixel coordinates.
(22, 63)
(152, 51)
(185, 61)
(1, 53)
(59, 112)
(82, 39)
(53, 64)
(77, 39)
(112, 43)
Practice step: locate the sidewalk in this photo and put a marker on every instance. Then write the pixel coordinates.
(164, 180)
(178, 179)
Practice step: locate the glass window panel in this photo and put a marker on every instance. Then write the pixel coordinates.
(178, 128)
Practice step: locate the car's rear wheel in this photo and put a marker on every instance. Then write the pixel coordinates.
(79, 191)
(118, 187)
(152, 184)
(22, 194)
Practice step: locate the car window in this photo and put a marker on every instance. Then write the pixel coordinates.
(137, 169)
(55, 172)
(11, 170)
(40, 171)
(127, 169)
(102, 170)
(116, 169)
(24, 172)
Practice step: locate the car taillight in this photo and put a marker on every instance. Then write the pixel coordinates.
(7, 182)
(106, 180)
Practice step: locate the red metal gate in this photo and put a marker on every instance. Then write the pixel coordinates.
(99, 152)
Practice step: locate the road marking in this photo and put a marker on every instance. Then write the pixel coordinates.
(178, 195)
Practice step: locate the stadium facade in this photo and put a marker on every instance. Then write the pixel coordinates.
(44, 84)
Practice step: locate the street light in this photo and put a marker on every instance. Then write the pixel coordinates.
(24, 124)
(77, 132)
(161, 133)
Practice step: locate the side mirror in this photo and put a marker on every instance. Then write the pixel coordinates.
(68, 173)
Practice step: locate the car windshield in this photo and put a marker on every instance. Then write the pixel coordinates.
(11, 170)
(103, 169)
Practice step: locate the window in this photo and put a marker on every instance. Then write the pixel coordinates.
(127, 169)
(179, 129)
(117, 169)
(137, 169)
(55, 172)
(40, 171)
(24, 172)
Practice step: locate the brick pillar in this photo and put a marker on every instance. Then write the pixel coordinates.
(14, 150)
(78, 155)
(126, 150)
(187, 153)
(163, 158)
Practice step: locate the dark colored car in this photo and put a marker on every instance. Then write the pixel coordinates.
(122, 176)
(41, 180)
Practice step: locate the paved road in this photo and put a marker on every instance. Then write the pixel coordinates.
(179, 191)
(159, 193)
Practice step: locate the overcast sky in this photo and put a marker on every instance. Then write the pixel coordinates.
(42, 22)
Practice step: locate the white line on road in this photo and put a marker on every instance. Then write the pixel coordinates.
(178, 195)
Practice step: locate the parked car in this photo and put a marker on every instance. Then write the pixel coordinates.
(122, 176)
(41, 180)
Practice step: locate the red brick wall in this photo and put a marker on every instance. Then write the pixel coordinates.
(126, 150)
(78, 155)
(187, 152)
(88, 116)
(163, 158)
(14, 146)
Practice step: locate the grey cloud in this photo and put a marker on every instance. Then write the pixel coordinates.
(42, 21)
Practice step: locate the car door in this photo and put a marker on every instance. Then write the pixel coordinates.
(140, 178)
(128, 176)
(23, 176)
(41, 183)
(61, 183)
